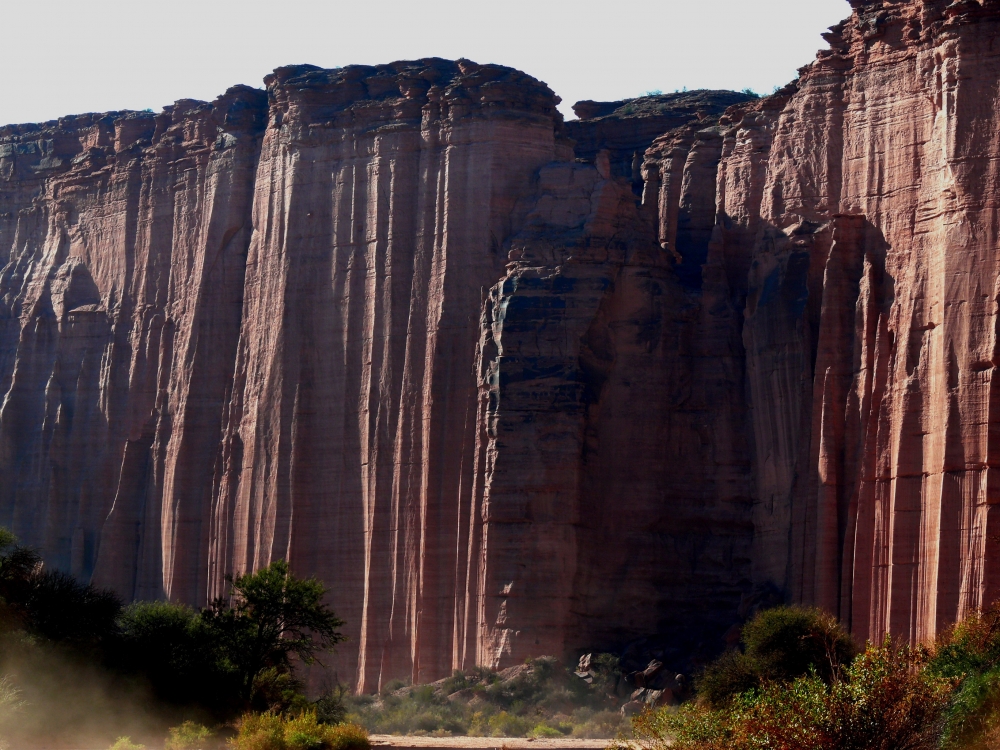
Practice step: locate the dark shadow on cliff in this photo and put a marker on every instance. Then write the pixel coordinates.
(818, 299)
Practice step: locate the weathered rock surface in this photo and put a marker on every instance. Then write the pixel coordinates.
(379, 322)
(123, 240)
(625, 129)
(247, 330)
(866, 197)
(506, 397)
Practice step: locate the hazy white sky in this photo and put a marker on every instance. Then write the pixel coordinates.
(68, 56)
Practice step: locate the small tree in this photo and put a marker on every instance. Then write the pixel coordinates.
(269, 617)
(177, 651)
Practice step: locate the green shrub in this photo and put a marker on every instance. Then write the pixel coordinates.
(171, 646)
(886, 699)
(264, 731)
(51, 605)
(457, 681)
(188, 736)
(348, 737)
(969, 653)
(270, 731)
(392, 686)
(125, 743)
(731, 674)
(331, 708)
(545, 694)
(781, 645)
(790, 641)
(504, 724)
(404, 714)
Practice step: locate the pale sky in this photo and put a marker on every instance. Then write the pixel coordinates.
(63, 57)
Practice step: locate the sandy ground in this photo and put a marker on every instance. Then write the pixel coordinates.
(483, 743)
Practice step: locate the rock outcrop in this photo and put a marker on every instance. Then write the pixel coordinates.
(867, 193)
(514, 386)
(247, 330)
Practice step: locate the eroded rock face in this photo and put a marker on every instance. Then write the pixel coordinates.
(865, 192)
(625, 129)
(247, 330)
(124, 240)
(384, 196)
(505, 397)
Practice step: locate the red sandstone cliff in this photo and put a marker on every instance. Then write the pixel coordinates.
(247, 330)
(865, 197)
(506, 398)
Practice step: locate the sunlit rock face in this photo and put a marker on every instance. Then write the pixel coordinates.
(513, 386)
(123, 238)
(247, 330)
(864, 199)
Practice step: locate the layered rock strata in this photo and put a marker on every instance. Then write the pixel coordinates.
(625, 129)
(505, 397)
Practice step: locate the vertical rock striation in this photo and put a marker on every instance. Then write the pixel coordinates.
(507, 397)
(616, 492)
(865, 195)
(124, 239)
(383, 198)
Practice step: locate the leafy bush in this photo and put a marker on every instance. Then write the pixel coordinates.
(348, 737)
(236, 655)
(457, 681)
(887, 699)
(270, 731)
(188, 736)
(171, 647)
(125, 743)
(51, 605)
(969, 653)
(330, 707)
(733, 673)
(260, 732)
(240, 653)
(543, 731)
(779, 644)
(504, 724)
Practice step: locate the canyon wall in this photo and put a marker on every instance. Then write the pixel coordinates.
(866, 194)
(513, 386)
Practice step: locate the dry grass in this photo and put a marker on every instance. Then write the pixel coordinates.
(269, 731)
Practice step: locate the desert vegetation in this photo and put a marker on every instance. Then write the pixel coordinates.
(540, 698)
(798, 683)
(75, 662)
